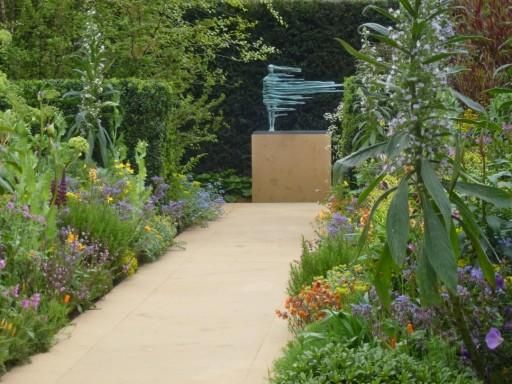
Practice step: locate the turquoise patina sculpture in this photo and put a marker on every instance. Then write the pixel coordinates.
(282, 91)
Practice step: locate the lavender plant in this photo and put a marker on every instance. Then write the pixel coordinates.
(418, 132)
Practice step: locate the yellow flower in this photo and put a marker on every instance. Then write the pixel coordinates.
(361, 287)
(71, 238)
(508, 279)
(72, 196)
(343, 290)
(128, 168)
(147, 228)
(323, 215)
(93, 175)
(80, 247)
(462, 263)
(110, 199)
(358, 268)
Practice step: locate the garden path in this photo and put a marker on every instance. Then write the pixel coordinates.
(201, 314)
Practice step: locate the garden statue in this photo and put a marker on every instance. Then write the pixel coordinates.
(282, 91)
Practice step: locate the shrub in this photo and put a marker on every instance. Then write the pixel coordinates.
(230, 185)
(101, 222)
(157, 237)
(316, 262)
(337, 363)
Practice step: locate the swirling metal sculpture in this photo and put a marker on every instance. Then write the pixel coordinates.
(282, 90)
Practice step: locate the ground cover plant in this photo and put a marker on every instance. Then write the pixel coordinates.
(425, 203)
(76, 215)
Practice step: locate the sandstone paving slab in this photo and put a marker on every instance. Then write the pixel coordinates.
(203, 313)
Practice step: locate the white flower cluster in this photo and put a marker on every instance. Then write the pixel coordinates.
(92, 74)
(414, 85)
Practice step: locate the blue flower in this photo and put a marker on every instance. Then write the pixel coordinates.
(493, 339)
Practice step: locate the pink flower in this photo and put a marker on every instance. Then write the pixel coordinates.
(25, 304)
(16, 291)
(35, 300)
(3, 263)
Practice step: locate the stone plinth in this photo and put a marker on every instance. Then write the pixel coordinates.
(290, 166)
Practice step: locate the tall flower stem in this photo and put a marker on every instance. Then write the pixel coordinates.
(463, 330)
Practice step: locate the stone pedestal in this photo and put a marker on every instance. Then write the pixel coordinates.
(290, 166)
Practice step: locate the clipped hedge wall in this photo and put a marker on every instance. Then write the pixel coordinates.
(308, 42)
(145, 106)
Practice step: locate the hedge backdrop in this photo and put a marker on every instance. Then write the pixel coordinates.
(145, 105)
(307, 41)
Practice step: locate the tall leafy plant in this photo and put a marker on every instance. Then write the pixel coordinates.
(95, 95)
(420, 131)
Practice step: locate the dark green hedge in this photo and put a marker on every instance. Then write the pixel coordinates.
(145, 106)
(307, 42)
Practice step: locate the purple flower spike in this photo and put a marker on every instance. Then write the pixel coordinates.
(493, 339)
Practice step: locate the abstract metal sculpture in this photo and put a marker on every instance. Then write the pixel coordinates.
(282, 91)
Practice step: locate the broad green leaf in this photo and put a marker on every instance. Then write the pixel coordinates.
(476, 236)
(383, 277)
(436, 191)
(361, 56)
(456, 166)
(361, 155)
(364, 194)
(376, 27)
(397, 143)
(380, 10)
(496, 196)
(408, 7)
(428, 284)
(397, 223)
(417, 29)
(438, 57)
(390, 42)
(454, 240)
(438, 249)
(366, 228)
(468, 102)
(500, 69)
(4, 184)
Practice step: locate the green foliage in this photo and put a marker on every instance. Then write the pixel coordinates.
(177, 42)
(95, 96)
(230, 185)
(349, 120)
(316, 262)
(338, 363)
(34, 332)
(157, 236)
(411, 80)
(101, 222)
(146, 107)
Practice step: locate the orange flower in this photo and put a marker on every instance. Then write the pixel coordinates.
(410, 328)
(67, 298)
(392, 342)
